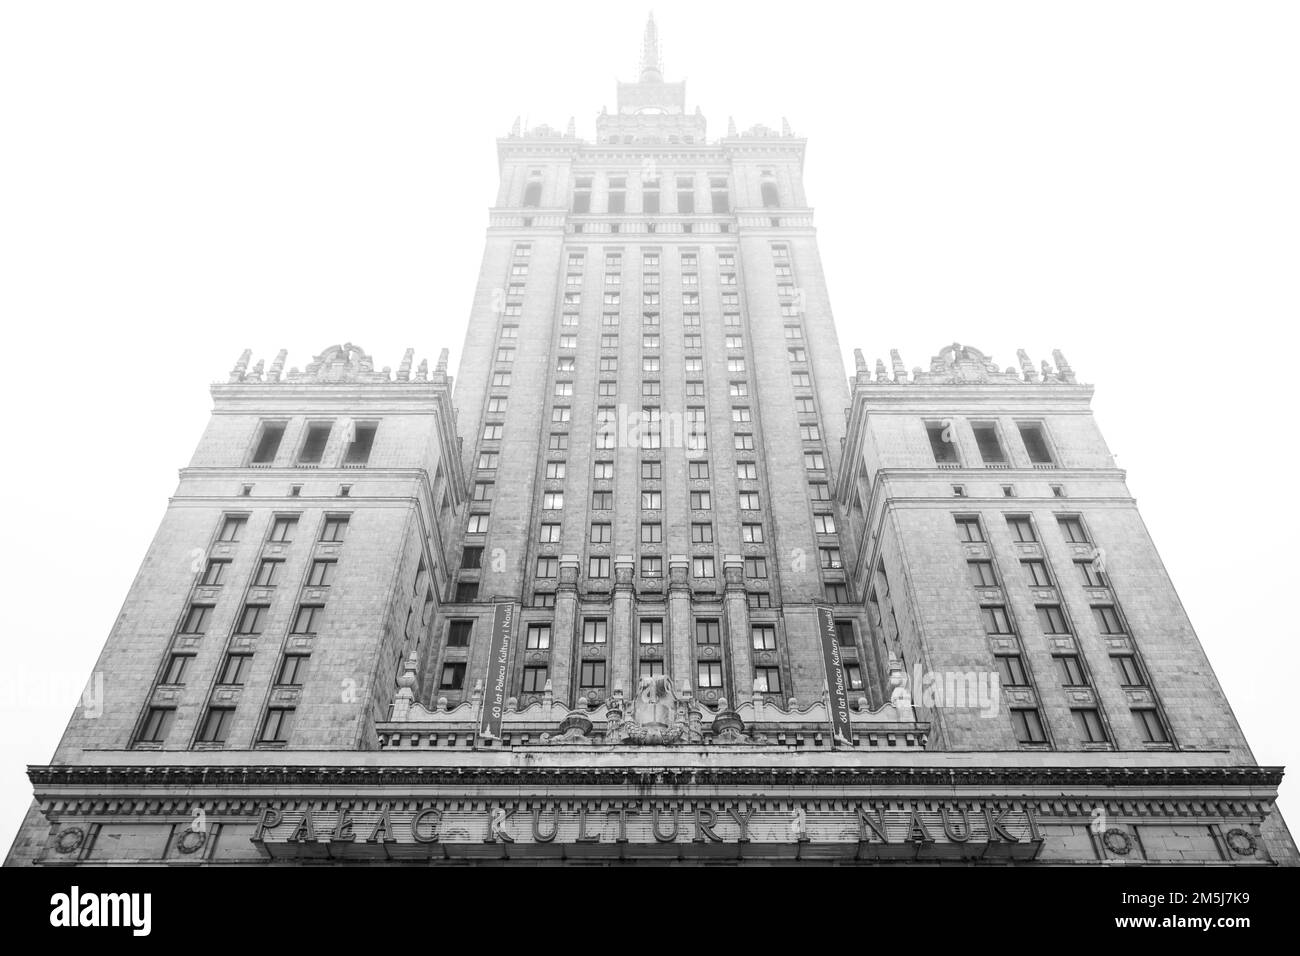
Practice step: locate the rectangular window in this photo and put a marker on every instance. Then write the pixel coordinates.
(1022, 529)
(755, 567)
(824, 523)
(1089, 575)
(986, 437)
(1130, 674)
(652, 500)
(763, 637)
(363, 441)
(234, 669)
(292, 669)
(941, 443)
(1088, 722)
(1011, 670)
(751, 533)
(1035, 443)
(651, 669)
(1107, 619)
(981, 574)
(968, 529)
(1072, 529)
(601, 533)
(214, 574)
(282, 529)
(553, 501)
(830, 558)
(598, 567)
(1052, 619)
(1037, 572)
(157, 722)
(453, 676)
(555, 470)
(466, 591)
(837, 593)
(535, 679)
(539, 637)
(313, 448)
(708, 632)
(652, 566)
(651, 631)
(548, 567)
(652, 532)
(549, 533)
(308, 619)
(595, 630)
(268, 443)
(471, 559)
(278, 725)
(593, 674)
(1070, 671)
(232, 528)
(703, 567)
(1028, 725)
(996, 620)
(700, 501)
(177, 664)
(767, 680)
(322, 573)
(488, 460)
(602, 500)
(252, 619)
(710, 674)
(458, 633)
(336, 527)
(477, 524)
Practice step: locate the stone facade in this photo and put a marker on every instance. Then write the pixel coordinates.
(651, 459)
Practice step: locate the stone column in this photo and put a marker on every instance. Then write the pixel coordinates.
(566, 610)
(742, 667)
(621, 636)
(678, 653)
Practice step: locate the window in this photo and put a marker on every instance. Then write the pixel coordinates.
(234, 669)
(981, 574)
(751, 533)
(322, 573)
(1052, 619)
(214, 573)
(548, 567)
(602, 500)
(1070, 671)
(500, 379)
(1011, 670)
(824, 523)
(1089, 575)
(505, 356)
(471, 559)
(488, 460)
(708, 632)
(336, 527)
(755, 567)
(710, 674)
(748, 501)
(1130, 674)
(809, 433)
(478, 524)
(549, 533)
(767, 680)
(157, 722)
(582, 195)
(700, 501)
(598, 567)
(968, 529)
(363, 439)
(601, 533)
(308, 619)
(232, 528)
(1035, 444)
(651, 669)
(1088, 722)
(458, 633)
(1107, 619)
(277, 726)
(544, 599)
(174, 672)
(292, 669)
(652, 532)
(719, 194)
(593, 674)
(741, 413)
(1028, 725)
(282, 529)
(268, 443)
(652, 470)
(652, 500)
(996, 620)
(703, 567)
(539, 637)
(1037, 572)
(532, 195)
(555, 470)
(453, 676)
(941, 443)
(535, 679)
(1022, 529)
(651, 631)
(252, 619)
(763, 637)
(313, 448)
(758, 599)
(595, 630)
(830, 558)
(986, 437)
(1072, 529)
(553, 500)
(837, 593)
(466, 591)
(617, 194)
(556, 441)
(492, 431)
(652, 566)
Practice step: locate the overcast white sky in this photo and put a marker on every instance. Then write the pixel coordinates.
(180, 181)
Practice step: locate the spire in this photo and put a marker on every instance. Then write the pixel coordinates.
(651, 68)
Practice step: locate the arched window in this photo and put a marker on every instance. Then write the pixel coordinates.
(533, 196)
(771, 199)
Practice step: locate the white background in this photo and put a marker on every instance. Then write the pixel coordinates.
(180, 181)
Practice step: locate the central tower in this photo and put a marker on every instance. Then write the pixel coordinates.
(652, 400)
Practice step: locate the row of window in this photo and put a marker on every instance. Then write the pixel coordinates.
(988, 440)
(359, 439)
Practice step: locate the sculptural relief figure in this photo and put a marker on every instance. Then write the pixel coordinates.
(655, 702)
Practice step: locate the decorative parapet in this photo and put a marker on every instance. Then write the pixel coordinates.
(958, 364)
(345, 364)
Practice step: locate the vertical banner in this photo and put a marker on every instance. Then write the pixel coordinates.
(494, 689)
(838, 701)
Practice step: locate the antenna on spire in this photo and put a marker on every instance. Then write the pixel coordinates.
(651, 65)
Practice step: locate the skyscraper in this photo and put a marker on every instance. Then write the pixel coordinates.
(650, 581)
